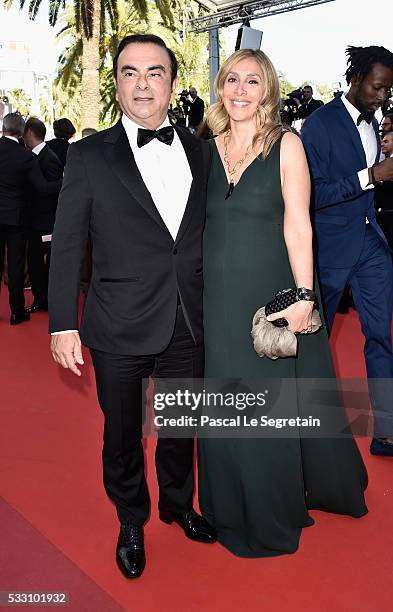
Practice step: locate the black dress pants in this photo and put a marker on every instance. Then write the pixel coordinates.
(120, 394)
(14, 236)
(38, 259)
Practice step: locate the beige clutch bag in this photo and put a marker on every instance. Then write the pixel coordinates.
(274, 342)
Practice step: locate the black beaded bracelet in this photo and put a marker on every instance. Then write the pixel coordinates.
(306, 294)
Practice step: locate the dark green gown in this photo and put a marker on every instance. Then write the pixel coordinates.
(257, 492)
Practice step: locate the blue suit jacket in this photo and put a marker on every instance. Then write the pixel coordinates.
(339, 205)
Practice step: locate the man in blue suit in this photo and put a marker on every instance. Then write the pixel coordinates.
(343, 149)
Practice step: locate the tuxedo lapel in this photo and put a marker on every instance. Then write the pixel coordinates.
(193, 152)
(122, 162)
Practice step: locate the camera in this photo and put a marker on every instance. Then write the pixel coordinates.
(290, 105)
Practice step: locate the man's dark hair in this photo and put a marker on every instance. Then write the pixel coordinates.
(14, 124)
(143, 39)
(37, 127)
(308, 87)
(63, 128)
(362, 59)
(388, 115)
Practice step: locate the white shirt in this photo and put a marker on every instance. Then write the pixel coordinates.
(369, 142)
(38, 148)
(165, 172)
(11, 138)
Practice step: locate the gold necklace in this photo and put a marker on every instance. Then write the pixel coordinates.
(238, 164)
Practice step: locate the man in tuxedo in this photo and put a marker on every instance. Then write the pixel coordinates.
(20, 175)
(343, 149)
(309, 105)
(196, 109)
(138, 191)
(42, 215)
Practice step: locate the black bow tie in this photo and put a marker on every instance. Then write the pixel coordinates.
(363, 117)
(164, 135)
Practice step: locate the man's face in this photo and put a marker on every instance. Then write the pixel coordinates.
(144, 83)
(386, 125)
(193, 92)
(307, 93)
(387, 144)
(370, 93)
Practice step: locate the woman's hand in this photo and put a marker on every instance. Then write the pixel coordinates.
(298, 315)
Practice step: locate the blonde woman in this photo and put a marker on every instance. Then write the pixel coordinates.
(258, 240)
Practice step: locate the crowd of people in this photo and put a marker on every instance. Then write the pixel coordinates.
(188, 239)
(31, 176)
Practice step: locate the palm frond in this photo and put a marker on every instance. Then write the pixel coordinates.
(69, 64)
(86, 12)
(34, 6)
(141, 8)
(54, 8)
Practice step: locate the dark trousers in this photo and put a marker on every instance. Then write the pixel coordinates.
(120, 394)
(38, 260)
(371, 280)
(14, 236)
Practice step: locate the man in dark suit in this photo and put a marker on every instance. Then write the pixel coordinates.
(20, 173)
(138, 191)
(343, 149)
(42, 215)
(196, 109)
(64, 131)
(309, 105)
(384, 194)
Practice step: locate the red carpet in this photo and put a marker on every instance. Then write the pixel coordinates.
(58, 530)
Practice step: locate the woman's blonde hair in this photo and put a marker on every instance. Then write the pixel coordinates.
(269, 125)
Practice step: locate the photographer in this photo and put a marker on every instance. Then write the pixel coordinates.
(289, 106)
(308, 105)
(196, 109)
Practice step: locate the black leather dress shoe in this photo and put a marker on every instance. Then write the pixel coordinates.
(130, 552)
(16, 319)
(381, 447)
(194, 526)
(36, 307)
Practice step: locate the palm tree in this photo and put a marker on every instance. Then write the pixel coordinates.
(89, 20)
(191, 51)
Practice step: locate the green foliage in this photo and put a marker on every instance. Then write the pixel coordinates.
(326, 93)
(190, 49)
(285, 86)
(20, 102)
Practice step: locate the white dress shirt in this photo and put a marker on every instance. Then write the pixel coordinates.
(11, 138)
(38, 148)
(165, 172)
(369, 142)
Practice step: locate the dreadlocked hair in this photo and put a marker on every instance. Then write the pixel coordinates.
(361, 60)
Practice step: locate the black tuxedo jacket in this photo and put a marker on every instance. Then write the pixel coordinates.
(305, 110)
(43, 208)
(19, 174)
(59, 147)
(137, 268)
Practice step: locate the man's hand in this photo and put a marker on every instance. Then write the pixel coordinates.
(67, 351)
(384, 170)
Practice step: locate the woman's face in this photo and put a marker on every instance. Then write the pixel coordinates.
(243, 90)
